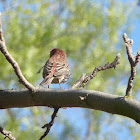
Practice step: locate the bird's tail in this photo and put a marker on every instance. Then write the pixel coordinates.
(47, 81)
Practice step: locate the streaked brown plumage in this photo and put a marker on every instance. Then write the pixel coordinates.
(56, 69)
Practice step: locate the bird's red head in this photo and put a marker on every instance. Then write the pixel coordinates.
(57, 52)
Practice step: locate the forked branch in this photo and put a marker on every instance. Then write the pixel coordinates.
(133, 63)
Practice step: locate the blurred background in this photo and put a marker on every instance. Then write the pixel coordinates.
(90, 31)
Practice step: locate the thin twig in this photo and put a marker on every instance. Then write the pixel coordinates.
(133, 63)
(7, 134)
(49, 125)
(137, 59)
(11, 60)
(83, 81)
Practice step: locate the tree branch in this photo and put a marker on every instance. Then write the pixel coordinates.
(72, 98)
(49, 125)
(7, 134)
(79, 82)
(11, 60)
(133, 63)
(85, 79)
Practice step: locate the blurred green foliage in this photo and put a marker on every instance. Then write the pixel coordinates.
(90, 32)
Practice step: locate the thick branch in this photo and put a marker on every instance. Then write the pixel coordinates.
(11, 60)
(72, 98)
(133, 63)
(7, 134)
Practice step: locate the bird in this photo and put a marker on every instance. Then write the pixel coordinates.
(56, 69)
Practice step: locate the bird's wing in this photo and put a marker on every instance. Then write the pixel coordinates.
(61, 69)
(48, 72)
(47, 80)
(48, 69)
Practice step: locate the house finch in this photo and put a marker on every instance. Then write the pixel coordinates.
(56, 69)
